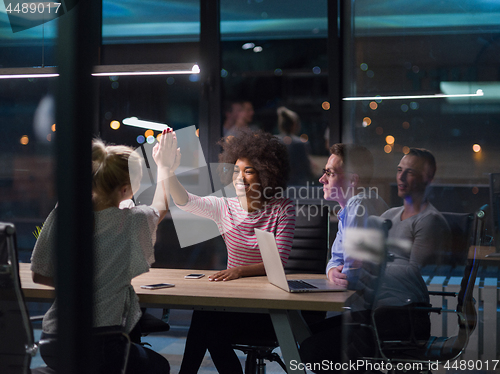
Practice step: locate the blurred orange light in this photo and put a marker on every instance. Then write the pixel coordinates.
(389, 139)
(53, 127)
(24, 140)
(367, 121)
(287, 140)
(475, 190)
(49, 137)
(406, 150)
(304, 138)
(115, 125)
(325, 105)
(158, 137)
(149, 133)
(198, 133)
(476, 148)
(387, 148)
(373, 105)
(406, 125)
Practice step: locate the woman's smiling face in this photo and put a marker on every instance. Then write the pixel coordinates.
(246, 180)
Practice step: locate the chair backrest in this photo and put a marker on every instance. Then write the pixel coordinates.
(460, 227)
(466, 305)
(466, 310)
(311, 240)
(15, 329)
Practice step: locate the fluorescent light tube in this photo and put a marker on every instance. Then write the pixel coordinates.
(134, 121)
(145, 69)
(479, 92)
(105, 70)
(16, 73)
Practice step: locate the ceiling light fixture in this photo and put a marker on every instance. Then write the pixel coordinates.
(105, 70)
(36, 72)
(479, 92)
(145, 69)
(135, 122)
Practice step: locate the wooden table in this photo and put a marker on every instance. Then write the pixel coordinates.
(253, 294)
(487, 253)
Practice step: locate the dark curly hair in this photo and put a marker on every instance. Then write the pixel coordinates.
(266, 153)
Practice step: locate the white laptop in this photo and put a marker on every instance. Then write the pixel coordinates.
(276, 273)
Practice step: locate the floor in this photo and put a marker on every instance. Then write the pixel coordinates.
(171, 345)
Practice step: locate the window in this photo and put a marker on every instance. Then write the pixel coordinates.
(399, 48)
(274, 55)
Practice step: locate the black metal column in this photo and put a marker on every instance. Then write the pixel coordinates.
(78, 45)
(335, 70)
(210, 65)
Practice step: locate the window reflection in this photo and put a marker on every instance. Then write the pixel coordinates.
(421, 54)
(274, 55)
(27, 171)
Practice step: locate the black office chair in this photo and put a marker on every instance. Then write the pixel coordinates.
(423, 351)
(308, 255)
(17, 344)
(460, 228)
(310, 241)
(149, 324)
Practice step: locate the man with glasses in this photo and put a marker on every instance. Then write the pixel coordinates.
(346, 179)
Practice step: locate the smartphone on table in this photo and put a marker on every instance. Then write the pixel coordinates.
(194, 276)
(157, 286)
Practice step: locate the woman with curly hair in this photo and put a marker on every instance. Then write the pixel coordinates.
(259, 177)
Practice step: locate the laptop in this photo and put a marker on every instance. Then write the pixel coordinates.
(276, 273)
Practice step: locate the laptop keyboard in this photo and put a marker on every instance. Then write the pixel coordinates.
(299, 284)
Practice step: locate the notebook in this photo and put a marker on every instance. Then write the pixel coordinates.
(276, 273)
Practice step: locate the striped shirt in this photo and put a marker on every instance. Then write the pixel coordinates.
(236, 225)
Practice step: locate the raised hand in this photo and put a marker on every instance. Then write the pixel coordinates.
(165, 152)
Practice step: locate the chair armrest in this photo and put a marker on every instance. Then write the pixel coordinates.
(36, 318)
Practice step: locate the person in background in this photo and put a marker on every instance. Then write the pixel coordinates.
(298, 151)
(233, 110)
(123, 249)
(417, 221)
(246, 118)
(239, 116)
(257, 163)
(346, 179)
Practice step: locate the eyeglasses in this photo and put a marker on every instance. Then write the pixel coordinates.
(330, 173)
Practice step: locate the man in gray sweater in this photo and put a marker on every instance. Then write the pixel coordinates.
(418, 222)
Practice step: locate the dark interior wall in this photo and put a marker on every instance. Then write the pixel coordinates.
(161, 53)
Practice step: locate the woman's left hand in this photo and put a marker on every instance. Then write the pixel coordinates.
(225, 275)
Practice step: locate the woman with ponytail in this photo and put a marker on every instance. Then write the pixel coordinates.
(123, 248)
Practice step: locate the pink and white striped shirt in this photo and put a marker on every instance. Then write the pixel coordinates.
(237, 225)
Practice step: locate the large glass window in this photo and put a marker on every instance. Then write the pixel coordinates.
(27, 189)
(132, 22)
(413, 52)
(135, 32)
(274, 55)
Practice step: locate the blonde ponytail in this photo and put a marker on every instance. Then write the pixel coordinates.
(110, 169)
